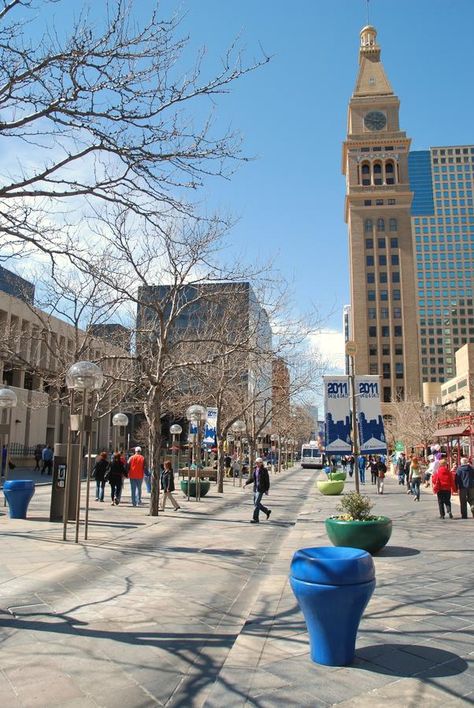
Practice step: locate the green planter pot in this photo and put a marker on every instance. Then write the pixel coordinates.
(205, 487)
(370, 536)
(337, 476)
(330, 487)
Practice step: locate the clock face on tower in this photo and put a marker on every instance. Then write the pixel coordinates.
(375, 120)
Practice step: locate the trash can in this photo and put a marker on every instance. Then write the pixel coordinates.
(18, 493)
(332, 587)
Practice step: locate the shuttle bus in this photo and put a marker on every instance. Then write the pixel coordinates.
(312, 456)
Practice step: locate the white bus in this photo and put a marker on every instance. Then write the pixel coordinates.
(312, 456)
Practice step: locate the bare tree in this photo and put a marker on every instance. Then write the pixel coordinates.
(101, 115)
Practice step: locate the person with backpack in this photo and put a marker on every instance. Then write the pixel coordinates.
(381, 472)
(443, 485)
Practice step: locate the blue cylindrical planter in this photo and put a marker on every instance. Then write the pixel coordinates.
(333, 587)
(18, 493)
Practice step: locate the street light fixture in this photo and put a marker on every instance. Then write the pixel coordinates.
(238, 428)
(119, 420)
(83, 376)
(8, 400)
(196, 415)
(175, 431)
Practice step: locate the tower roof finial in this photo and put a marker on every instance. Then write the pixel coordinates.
(368, 43)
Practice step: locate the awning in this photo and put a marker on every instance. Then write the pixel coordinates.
(453, 432)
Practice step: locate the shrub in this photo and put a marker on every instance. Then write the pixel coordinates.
(355, 507)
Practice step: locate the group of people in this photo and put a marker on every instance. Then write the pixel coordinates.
(444, 480)
(44, 455)
(118, 469)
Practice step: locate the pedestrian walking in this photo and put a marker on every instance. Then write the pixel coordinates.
(37, 457)
(47, 457)
(361, 462)
(464, 482)
(430, 470)
(443, 486)
(99, 473)
(372, 466)
(381, 472)
(167, 485)
(136, 472)
(261, 485)
(402, 468)
(351, 461)
(117, 472)
(415, 477)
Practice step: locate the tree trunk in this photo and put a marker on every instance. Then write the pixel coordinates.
(220, 465)
(155, 452)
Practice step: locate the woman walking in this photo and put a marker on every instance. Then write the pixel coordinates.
(99, 473)
(415, 476)
(381, 472)
(117, 472)
(167, 485)
(443, 483)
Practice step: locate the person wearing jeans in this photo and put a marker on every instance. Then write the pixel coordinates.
(116, 474)
(99, 473)
(464, 481)
(136, 472)
(442, 486)
(415, 478)
(261, 485)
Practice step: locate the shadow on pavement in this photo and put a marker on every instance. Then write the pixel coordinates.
(397, 551)
(405, 660)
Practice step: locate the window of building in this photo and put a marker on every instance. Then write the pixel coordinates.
(392, 224)
(373, 369)
(385, 350)
(372, 331)
(380, 225)
(397, 331)
(367, 202)
(386, 370)
(397, 313)
(384, 313)
(384, 294)
(385, 331)
(395, 277)
(394, 259)
(396, 294)
(383, 260)
(371, 277)
(372, 351)
(381, 242)
(369, 243)
(394, 242)
(372, 313)
(371, 295)
(369, 260)
(368, 225)
(387, 394)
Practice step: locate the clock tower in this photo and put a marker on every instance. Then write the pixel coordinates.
(378, 214)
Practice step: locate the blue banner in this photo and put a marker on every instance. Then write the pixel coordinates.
(337, 415)
(371, 431)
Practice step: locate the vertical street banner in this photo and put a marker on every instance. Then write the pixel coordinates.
(210, 427)
(337, 415)
(369, 415)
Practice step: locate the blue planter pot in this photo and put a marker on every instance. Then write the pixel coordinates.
(18, 493)
(333, 587)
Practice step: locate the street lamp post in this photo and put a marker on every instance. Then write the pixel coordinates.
(8, 400)
(196, 415)
(82, 376)
(119, 420)
(238, 428)
(274, 440)
(351, 350)
(175, 431)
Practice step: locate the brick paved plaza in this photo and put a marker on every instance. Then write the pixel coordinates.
(194, 608)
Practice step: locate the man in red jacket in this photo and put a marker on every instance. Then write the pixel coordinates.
(136, 472)
(443, 485)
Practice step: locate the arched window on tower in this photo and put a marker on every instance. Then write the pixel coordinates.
(380, 225)
(389, 172)
(368, 225)
(378, 173)
(392, 225)
(365, 171)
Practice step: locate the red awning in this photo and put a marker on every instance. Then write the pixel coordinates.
(453, 432)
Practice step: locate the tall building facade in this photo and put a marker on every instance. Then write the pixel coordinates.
(443, 228)
(378, 214)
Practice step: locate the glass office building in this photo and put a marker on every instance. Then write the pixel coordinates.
(443, 233)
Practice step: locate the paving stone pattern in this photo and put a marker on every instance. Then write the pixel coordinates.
(194, 608)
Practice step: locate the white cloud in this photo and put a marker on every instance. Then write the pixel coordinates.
(330, 344)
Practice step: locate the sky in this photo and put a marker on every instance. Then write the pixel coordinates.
(288, 200)
(292, 116)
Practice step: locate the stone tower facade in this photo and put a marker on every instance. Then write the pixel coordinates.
(378, 214)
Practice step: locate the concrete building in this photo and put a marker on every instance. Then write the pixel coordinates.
(35, 348)
(443, 227)
(378, 213)
(280, 394)
(458, 392)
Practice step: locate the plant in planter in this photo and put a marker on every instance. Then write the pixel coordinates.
(356, 527)
(330, 487)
